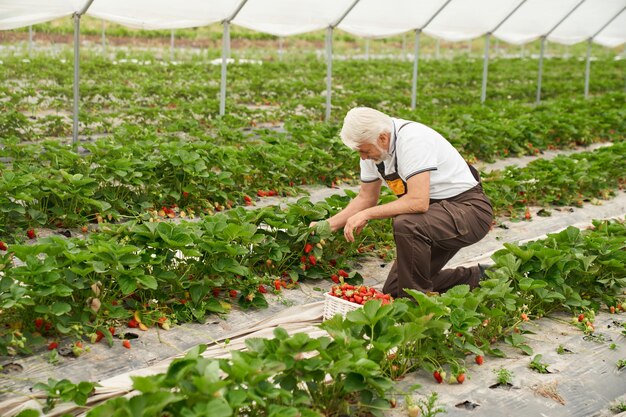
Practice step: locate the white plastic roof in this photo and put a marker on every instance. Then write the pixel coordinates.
(458, 20)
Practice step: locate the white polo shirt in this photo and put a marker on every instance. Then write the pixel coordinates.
(418, 148)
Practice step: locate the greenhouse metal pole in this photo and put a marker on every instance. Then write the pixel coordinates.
(417, 50)
(329, 70)
(483, 92)
(329, 57)
(172, 45)
(225, 42)
(225, 54)
(104, 39)
(543, 46)
(415, 64)
(367, 49)
(77, 16)
(437, 49)
(538, 97)
(588, 66)
(30, 39)
(588, 63)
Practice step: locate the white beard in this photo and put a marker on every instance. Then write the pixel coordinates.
(384, 155)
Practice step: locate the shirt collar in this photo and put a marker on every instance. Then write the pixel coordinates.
(394, 136)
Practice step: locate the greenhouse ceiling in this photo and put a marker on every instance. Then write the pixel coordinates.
(513, 21)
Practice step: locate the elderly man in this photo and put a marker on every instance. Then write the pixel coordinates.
(441, 206)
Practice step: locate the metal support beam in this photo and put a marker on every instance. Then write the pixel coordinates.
(539, 78)
(417, 53)
(77, 16)
(329, 70)
(437, 49)
(172, 45)
(329, 57)
(225, 52)
(226, 55)
(588, 66)
(76, 77)
(483, 91)
(104, 39)
(30, 40)
(588, 63)
(543, 47)
(415, 66)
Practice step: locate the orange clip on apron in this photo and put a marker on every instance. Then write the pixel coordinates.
(393, 180)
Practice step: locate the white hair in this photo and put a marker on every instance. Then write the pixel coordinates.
(364, 125)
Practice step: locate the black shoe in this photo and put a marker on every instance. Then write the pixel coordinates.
(483, 269)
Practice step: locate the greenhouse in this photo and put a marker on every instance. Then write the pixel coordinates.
(312, 208)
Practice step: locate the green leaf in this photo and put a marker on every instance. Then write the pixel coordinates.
(59, 308)
(29, 413)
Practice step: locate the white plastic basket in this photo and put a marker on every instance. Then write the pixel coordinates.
(335, 305)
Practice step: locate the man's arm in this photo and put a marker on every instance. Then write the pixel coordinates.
(416, 200)
(367, 197)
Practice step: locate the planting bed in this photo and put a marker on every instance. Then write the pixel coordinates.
(139, 248)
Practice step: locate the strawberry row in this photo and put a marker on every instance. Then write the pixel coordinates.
(49, 185)
(191, 268)
(352, 369)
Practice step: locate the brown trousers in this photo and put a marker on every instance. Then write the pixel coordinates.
(425, 242)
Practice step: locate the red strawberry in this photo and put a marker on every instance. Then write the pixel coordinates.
(232, 293)
(185, 194)
(126, 344)
(480, 359)
(527, 215)
(524, 317)
(308, 248)
(313, 260)
(262, 289)
(612, 309)
(247, 199)
(3, 246)
(261, 193)
(277, 284)
(581, 317)
(460, 378)
(99, 336)
(335, 278)
(333, 262)
(133, 323)
(216, 292)
(53, 345)
(438, 377)
(112, 330)
(39, 322)
(31, 234)
(303, 259)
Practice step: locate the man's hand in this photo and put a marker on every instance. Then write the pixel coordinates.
(354, 225)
